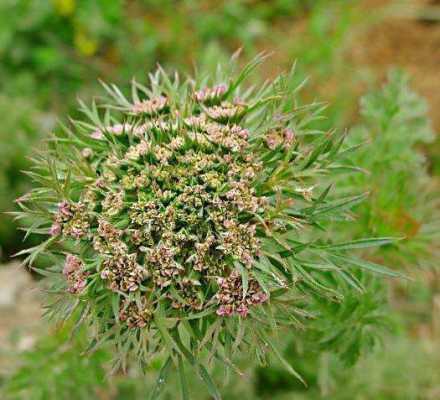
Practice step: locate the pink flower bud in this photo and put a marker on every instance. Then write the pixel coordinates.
(97, 134)
(243, 310)
(105, 274)
(224, 310)
(289, 137)
(117, 129)
(79, 285)
(246, 258)
(219, 90)
(71, 265)
(55, 229)
(272, 141)
(64, 209)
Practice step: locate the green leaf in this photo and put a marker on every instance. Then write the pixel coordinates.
(283, 361)
(182, 379)
(204, 374)
(245, 72)
(341, 204)
(212, 388)
(367, 265)
(115, 306)
(167, 338)
(360, 244)
(199, 315)
(321, 148)
(160, 381)
(244, 277)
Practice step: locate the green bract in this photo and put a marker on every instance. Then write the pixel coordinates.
(184, 219)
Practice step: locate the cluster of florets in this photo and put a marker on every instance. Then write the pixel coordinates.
(233, 297)
(75, 274)
(280, 137)
(208, 95)
(173, 209)
(71, 220)
(123, 272)
(149, 107)
(135, 314)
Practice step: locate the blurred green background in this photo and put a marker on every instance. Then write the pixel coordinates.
(54, 51)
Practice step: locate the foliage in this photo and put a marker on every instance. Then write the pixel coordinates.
(404, 197)
(64, 41)
(18, 132)
(345, 333)
(55, 369)
(407, 370)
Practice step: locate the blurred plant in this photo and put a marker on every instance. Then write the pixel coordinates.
(183, 221)
(353, 327)
(406, 370)
(63, 41)
(18, 133)
(323, 41)
(345, 332)
(242, 22)
(404, 197)
(55, 369)
(55, 41)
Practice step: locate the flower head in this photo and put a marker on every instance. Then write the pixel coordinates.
(188, 216)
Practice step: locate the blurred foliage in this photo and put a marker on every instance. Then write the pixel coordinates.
(56, 369)
(18, 132)
(407, 370)
(403, 199)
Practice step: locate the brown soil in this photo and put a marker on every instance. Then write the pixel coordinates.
(20, 313)
(408, 42)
